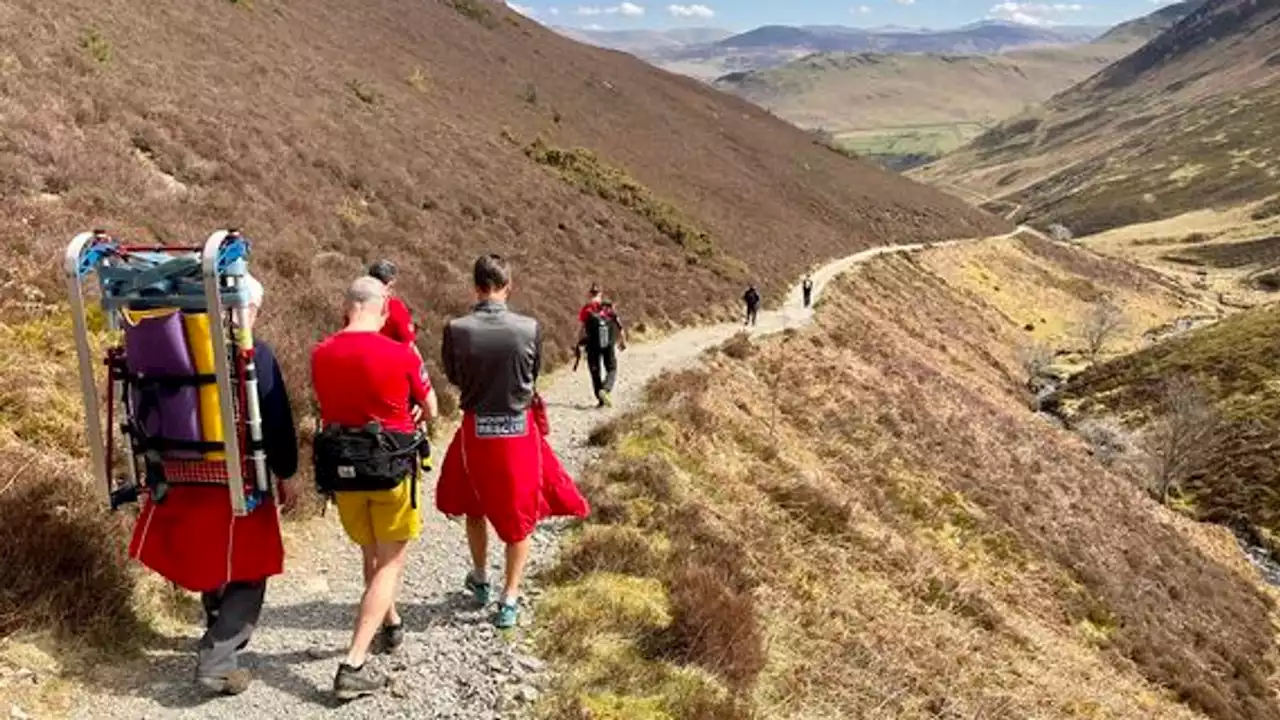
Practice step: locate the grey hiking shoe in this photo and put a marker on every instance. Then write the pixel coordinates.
(233, 683)
(389, 640)
(351, 683)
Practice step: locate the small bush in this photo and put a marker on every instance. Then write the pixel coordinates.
(97, 46)
(1107, 440)
(474, 10)
(739, 347)
(1185, 437)
(714, 623)
(530, 94)
(1100, 328)
(418, 80)
(364, 92)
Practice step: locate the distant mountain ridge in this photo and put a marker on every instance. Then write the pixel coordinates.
(707, 53)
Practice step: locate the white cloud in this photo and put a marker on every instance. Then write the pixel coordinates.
(861, 9)
(522, 9)
(905, 2)
(691, 11)
(629, 9)
(1032, 13)
(554, 10)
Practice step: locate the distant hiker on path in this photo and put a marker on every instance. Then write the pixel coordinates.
(373, 392)
(601, 334)
(499, 466)
(807, 288)
(191, 538)
(752, 299)
(399, 325)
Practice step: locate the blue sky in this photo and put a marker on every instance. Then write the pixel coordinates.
(746, 14)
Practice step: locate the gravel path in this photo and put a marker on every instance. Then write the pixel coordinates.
(454, 664)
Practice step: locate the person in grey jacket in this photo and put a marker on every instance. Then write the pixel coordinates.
(499, 469)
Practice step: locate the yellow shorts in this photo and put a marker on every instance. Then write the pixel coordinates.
(379, 516)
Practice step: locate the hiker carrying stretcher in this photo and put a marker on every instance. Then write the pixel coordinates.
(499, 467)
(191, 538)
(374, 394)
(209, 439)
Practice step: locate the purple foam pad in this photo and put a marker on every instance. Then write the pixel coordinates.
(158, 346)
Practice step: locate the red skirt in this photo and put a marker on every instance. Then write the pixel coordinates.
(508, 474)
(193, 540)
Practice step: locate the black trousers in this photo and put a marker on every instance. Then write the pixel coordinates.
(752, 312)
(230, 613)
(808, 296)
(603, 366)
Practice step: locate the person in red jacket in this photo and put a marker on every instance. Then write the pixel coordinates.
(399, 325)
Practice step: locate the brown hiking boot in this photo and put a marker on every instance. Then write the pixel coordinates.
(233, 683)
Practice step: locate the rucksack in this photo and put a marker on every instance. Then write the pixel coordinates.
(599, 326)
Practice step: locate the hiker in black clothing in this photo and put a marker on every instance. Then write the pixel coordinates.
(602, 334)
(807, 287)
(752, 298)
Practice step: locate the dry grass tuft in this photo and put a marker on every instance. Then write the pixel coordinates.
(63, 567)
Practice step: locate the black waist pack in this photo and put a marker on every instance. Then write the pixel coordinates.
(367, 458)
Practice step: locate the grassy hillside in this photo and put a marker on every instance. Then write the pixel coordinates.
(1236, 364)
(1180, 124)
(863, 519)
(426, 131)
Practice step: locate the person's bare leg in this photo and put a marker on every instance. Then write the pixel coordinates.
(517, 556)
(478, 541)
(379, 597)
(370, 566)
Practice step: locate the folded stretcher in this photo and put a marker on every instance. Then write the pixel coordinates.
(183, 373)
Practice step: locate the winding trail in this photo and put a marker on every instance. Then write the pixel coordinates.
(454, 664)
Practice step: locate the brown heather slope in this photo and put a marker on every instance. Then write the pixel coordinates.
(905, 539)
(1184, 122)
(337, 132)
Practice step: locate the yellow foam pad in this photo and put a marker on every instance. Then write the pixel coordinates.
(200, 342)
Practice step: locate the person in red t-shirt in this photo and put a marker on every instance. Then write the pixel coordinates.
(360, 376)
(399, 325)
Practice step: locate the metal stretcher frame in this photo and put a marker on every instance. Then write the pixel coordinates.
(222, 268)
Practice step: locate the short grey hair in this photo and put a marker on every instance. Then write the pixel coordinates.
(254, 290)
(365, 290)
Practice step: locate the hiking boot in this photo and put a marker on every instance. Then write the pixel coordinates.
(507, 616)
(233, 683)
(481, 591)
(351, 683)
(606, 398)
(389, 640)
